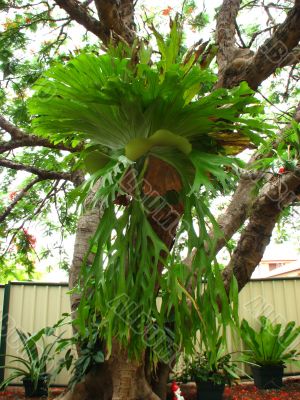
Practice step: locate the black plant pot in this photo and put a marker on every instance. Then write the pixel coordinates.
(207, 390)
(268, 376)
(42, 387)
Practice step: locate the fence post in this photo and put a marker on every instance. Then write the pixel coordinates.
(4, 328)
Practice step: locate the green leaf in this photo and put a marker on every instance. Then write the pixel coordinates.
(99, 357)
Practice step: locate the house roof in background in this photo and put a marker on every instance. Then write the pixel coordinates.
(280, 252)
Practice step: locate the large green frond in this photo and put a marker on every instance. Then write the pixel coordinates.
(101, 100)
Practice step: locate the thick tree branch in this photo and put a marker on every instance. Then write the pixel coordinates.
(22, 139)
(238, 210)
(225, 33)
(33, 141)
(117, 17)
(277, 194)
(41, 173)
(79, 13)
(8, 127)
(275, 52)
(17, 198)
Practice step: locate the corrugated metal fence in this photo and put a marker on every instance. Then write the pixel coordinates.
(278, 299)
(32, 306)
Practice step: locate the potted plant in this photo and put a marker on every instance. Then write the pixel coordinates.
(211, 371)
(208, 362)
(32, 368)
(268, 350)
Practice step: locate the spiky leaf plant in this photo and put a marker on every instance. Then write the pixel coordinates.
(160, 140)
(271, 344)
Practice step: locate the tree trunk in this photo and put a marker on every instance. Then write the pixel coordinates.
(120, 378)
(86, 228)
(116, 379)
(97, 385)
(128, 377)
(159, 380)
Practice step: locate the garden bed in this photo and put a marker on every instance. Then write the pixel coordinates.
(289, 391)
(247, 391)
(17, 393)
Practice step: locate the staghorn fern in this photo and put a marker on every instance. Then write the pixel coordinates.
(126, 115)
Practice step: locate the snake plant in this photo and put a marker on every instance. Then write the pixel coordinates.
(33, 365)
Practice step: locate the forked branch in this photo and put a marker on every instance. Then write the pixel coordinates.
(277, 51)
(78, 12)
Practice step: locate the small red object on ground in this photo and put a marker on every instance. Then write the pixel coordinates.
(177, 392)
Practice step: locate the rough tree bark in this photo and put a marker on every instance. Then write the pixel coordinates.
(128, 377)
(225, 34)
(86, 228)
(116, 18)
(97, 384)
(79, 14)
(277, 51)
(277, 194)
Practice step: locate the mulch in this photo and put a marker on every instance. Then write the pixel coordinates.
(289, 391)
(247, 391)
(17, 393)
